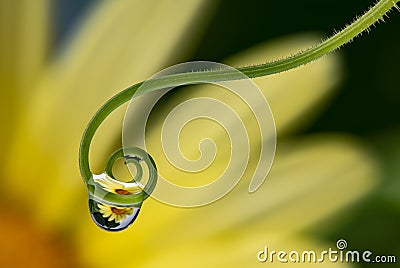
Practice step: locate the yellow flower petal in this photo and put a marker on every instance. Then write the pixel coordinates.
(122, 43)
(112, 217)
(213, 219)
(115, 186)
(23, 46)
(312, 179)
(24, 41)
(118, 45)
(242, 252)
(295, 96)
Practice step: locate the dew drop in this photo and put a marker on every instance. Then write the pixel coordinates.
(112, 218)
(105, 191)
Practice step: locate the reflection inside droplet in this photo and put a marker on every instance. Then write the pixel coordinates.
(112, 185)
(115, 204)
(111, 218)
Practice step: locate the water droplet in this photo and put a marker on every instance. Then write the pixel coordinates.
(112, 218)
(114, 204)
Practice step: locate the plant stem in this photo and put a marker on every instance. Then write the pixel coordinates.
(373, 15)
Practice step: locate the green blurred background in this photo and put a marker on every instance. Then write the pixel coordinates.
(365, 106)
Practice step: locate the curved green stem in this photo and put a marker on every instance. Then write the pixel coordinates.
(363, 23)
(94, 124)
(374, 14)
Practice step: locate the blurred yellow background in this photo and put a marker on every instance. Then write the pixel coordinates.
(335, 174)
